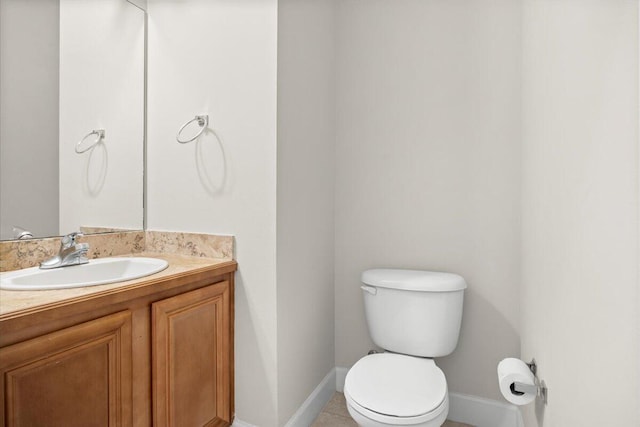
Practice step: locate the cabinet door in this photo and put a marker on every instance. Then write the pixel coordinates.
(78, 376)
(192, 358)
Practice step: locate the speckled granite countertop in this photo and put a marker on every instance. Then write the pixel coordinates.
(13, 302)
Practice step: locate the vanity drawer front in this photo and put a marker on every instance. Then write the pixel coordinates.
(78, 376)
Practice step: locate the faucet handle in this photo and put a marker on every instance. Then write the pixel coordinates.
(82, 247)
(70, 239)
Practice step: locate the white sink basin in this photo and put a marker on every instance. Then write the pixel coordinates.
(96, 272)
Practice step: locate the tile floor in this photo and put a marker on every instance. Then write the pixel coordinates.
(335, 414)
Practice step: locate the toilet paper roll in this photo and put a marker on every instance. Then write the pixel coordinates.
(512, 370)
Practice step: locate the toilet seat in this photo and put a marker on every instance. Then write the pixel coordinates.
(367, 418)
(396, 389)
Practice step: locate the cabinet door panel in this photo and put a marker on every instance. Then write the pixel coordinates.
(191, 358)
(78, 376)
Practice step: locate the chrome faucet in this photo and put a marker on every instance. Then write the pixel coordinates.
(71, 253)
(21, 233)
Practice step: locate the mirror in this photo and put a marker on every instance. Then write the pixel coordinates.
(71, 70)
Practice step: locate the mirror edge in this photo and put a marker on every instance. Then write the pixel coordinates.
(142, 5)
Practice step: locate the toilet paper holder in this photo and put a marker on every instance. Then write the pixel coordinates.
(539, 388)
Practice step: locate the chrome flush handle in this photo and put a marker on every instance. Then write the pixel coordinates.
(370, 289)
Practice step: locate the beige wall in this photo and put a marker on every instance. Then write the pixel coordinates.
(580, 203)
(428, 173)
(219, 57)
(428, 166)
(306, 158)
(227, 183)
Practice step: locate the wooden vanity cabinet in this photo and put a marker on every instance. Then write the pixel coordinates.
(79, 376)
(157, 355)
(191, 363)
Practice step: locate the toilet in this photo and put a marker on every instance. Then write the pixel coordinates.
(414, 316)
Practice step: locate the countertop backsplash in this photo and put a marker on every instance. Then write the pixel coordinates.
(18, 254)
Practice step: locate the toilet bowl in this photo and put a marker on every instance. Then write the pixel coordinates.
(390, 389)
(414, 315)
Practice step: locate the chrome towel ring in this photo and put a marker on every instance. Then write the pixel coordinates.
(100, 137)
(203, 122)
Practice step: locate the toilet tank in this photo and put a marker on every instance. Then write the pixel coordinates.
(414, 312)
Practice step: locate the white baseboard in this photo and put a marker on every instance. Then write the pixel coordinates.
(240, 423)
(311, 408)
(341, 375)
(481, 412)
(463, 408)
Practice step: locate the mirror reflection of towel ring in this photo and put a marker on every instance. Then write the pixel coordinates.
(100, 137)
(203, 122)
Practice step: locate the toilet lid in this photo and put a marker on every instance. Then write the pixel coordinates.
(396, 385)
